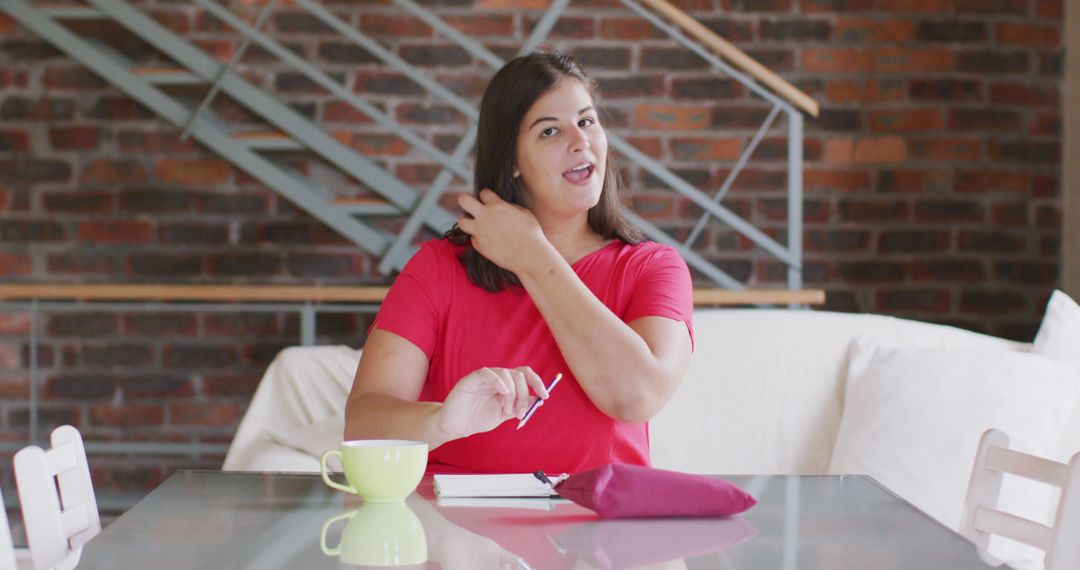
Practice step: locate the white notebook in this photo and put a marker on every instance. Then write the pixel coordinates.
(511, 485)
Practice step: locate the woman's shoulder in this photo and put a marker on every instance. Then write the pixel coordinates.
(648, 251)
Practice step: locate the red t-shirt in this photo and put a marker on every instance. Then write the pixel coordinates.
(462, 327)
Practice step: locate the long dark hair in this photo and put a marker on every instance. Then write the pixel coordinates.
(508, 97)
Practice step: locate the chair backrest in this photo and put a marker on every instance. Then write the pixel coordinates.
(7, 549)
(981, 518)
(58, 503)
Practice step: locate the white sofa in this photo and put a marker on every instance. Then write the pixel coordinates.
(765, 394)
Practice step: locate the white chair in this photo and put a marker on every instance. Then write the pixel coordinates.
(7, 549)
(981, 518)
(58, 503)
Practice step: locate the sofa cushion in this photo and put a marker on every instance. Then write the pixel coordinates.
(913, 417)
(765, 387)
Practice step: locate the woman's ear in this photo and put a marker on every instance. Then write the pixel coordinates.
(517, 173)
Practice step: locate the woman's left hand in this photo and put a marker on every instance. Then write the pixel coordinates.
(507, 234)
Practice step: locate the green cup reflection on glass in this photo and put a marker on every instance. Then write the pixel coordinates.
(379, 470)
(378, 534)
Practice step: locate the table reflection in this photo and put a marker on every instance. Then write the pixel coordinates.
(495, 533)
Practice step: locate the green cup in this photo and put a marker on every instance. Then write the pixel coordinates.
(378, 534)
(379, 470)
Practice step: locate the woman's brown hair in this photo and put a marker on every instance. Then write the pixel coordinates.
(507, 98)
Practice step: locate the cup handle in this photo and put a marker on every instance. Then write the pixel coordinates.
(326, 527)
(326, 477)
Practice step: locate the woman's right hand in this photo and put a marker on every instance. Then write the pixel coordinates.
(486, 398)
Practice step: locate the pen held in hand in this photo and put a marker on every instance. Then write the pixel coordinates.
(536, 404)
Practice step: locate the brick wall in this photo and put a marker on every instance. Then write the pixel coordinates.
(932, 180)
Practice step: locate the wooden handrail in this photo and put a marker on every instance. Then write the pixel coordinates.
(332, 294)
(735, 56)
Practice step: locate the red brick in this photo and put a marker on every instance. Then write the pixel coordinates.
(902, 300)
(85, 263)
(69, 78)
(836, 240)
(126, 415)
(116, 232)
(1013, 214)
(1052, 9)
(837, 60)
(629, 29)
(205, 414)
(221, 50)
(873, 211)
(706, 149)
(653, 206)
(863, 90)
(910, 181)
(6, 24)
(195, 172)
(984, 119)
(944, 150)
(14, 140)
(154, 141)
(651, 146)
(671, 117)
(948, 271)
(74, 138)
(342, 112)
(12, 264)
(992, 241)
(1047, 124)
(393, 25)
(1025, 94)
(483, 24)
(840, 180)
(1013, 7)
(870, 272)
(860, 31)
(513, 4)
(880, 60)
(948, 211)
(177, 325)
(913, 241)
(230, 385)
(900, 60)
(15, 388)
(106, 171)
(1028, 35)
(991, 302)
(906, 120)
(14, 323)
(1045, 186)
(914, 6)
(865, 150)
(373, 144)
(985, 180)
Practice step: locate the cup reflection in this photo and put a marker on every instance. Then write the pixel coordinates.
(632, 543)
(378, 534)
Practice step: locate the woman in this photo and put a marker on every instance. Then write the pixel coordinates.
(542, 276)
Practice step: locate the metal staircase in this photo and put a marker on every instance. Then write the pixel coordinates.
(253, 152)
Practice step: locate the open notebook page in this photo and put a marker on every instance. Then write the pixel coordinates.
(510, 485)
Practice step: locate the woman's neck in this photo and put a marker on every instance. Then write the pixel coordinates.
(573, 239)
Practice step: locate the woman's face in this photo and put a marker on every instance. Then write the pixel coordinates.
(561, 152)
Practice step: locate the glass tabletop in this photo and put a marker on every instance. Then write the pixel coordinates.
(205, 519)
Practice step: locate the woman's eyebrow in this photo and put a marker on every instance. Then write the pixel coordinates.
(542, 119)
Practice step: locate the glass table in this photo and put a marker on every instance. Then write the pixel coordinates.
(206, 519)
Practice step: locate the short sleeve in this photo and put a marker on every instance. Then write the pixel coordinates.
(414, 306)
(663, 288)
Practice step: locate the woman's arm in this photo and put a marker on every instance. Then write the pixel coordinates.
(383, 401)
(629, 370)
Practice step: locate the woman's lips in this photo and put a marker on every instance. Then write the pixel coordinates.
(579, 177)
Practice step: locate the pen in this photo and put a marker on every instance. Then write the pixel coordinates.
(536, 404)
